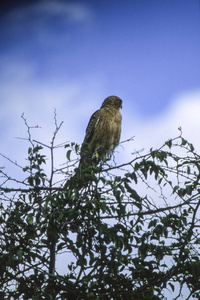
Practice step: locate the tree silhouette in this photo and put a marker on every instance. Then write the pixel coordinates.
(130, 232)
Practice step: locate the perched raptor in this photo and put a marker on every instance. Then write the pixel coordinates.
(104, 129)
(102, 136)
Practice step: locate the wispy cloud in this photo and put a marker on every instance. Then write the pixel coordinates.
(183, 112)
(74, 12)
(21, 91)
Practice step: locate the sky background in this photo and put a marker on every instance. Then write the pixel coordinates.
(71, 55)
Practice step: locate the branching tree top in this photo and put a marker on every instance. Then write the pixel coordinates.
(131, 231)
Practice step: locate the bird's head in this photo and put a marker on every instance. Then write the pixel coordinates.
(113, 101)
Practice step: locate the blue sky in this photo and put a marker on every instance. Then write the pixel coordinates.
(144, 51)
(71, 55)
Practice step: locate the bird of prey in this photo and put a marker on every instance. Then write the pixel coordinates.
(104, 130)
(102, 136)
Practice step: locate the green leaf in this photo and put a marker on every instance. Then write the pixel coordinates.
(25, 169)
(152, 223)
(30, 180)
(29, 219)
(183, 142)
(19, 254)
(134, 195)
(77, 147)
(68, 154)
(169, 143)
(37, 148)
(191, 147)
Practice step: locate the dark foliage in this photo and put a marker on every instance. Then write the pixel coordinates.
(130, 232)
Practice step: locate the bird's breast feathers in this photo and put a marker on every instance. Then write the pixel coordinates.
(104, 128)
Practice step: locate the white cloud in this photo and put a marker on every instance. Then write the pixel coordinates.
(22, 92)
(183, 112)
(74, 12)
(45, 23)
